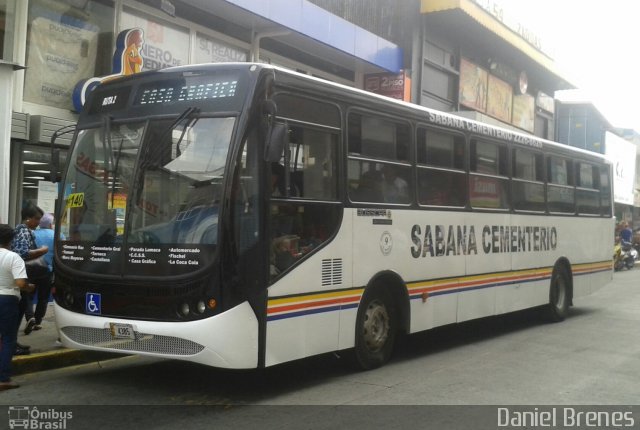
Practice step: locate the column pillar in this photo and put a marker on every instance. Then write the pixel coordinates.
(6, 108)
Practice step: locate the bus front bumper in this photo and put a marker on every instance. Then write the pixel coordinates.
(228, 340)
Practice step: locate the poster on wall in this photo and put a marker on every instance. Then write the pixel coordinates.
(394, 85)
(499, 99)
(164, 46)
(209, 50)
(524, 110)
(61, 52)
(622, 154)
(473, 86)
(47, 195)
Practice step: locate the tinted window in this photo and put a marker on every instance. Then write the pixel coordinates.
(488, 162)
(442, 180)
(378, 168)
(527, 187)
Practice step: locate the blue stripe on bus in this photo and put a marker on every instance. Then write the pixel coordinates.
(417, 296)
(454, 290)
(311, 312)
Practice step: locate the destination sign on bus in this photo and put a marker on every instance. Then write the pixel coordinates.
(181, 90)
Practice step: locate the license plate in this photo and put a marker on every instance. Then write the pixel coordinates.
(122, 331)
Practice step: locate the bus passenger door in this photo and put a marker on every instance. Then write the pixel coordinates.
(303, 217)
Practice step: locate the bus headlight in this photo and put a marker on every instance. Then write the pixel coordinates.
(68, 298)
(184, 309)
(200, 307)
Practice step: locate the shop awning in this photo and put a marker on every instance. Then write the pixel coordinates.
(312, 30)
(474, 11)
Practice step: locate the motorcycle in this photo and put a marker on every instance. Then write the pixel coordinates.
(624, 255)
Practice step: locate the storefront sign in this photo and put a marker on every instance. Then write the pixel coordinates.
(473, 86)
(499, 99)
(524, 112)
(164, 45)
(623, 156)
(396, 86)
(212, 51)
(510, 20)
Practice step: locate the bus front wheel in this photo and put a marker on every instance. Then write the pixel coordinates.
(559, 295)
(376, 327)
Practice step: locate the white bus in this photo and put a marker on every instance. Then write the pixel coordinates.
(243, 215)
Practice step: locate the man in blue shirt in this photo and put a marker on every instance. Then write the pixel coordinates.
(626, 233)
(44, 237)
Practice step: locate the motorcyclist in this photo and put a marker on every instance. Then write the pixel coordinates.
(624, 254)
(626, 234)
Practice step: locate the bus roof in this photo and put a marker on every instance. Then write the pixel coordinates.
(339, 90)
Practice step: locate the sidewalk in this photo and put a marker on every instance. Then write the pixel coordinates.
(47, 353)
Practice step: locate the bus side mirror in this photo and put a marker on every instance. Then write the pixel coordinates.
(277, 140)
(55, 174)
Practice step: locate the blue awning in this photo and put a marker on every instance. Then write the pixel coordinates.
(313, 22)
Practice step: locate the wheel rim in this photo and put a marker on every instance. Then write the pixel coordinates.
(376, 326)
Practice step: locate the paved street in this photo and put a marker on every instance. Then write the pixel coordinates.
(593, 358)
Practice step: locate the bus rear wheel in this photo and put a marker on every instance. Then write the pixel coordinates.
(376, 327)
(559, 296)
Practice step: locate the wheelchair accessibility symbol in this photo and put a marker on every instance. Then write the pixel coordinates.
(93, 304)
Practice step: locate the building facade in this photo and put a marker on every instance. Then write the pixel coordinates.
(579, 123)
(469, 57)
(48, 46)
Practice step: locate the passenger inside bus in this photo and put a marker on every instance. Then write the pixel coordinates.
(370, 187)
(396, 189)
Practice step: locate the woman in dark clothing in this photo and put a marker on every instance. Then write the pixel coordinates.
(24, 244)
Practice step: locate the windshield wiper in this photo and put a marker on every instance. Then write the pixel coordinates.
(108, 149)
(188, 115)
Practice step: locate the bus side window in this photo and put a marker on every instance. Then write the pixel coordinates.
(605, 193)
(312, 168)
(488, 178)
(527, 186)
(379, 166)
(560, 188)
(441, 176)
(588, 191)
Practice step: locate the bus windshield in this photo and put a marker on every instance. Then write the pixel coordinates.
(146, 184)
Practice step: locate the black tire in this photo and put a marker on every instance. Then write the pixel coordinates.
(559, 295)
(618, 265)
(376, 329)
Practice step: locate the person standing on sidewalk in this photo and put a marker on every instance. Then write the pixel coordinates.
(44, 237)
(13, 280)
(24, 244)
